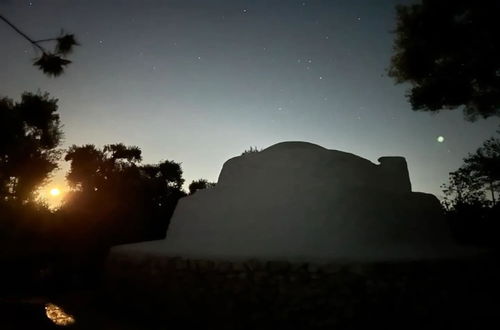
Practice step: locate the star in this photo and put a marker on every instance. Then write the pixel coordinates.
(245, 11)
(440, 139)
(320, 78)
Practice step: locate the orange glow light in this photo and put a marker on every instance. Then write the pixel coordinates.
(55, 192)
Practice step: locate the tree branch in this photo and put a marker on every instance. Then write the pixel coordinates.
(33, 42)
(45, 40)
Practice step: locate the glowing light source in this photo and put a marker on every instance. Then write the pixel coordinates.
(440, 139)
(57, 315)
(55, 192)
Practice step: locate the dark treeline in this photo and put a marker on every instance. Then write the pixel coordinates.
(30, 133)
(114, 197)
(471, 200)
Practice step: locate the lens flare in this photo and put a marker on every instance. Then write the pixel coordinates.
(55, 192)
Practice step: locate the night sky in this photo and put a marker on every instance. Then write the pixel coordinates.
(198, 82)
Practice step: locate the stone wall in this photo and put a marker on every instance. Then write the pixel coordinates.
(395, 173)
(281, 295)
(302, 201)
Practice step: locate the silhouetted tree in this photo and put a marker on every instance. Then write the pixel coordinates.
(52, 63)
(483, 166)
(449, 51)
(92, 169)
(474, 218)
(479, 173)
(462, 189)
(196, 185)
(30, 133)
(121, 199)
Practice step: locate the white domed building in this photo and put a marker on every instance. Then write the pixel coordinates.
(298, 201)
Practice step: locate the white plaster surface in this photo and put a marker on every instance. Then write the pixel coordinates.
(300, 201)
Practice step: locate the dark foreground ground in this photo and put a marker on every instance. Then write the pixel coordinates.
(171, 293)
(88, 311)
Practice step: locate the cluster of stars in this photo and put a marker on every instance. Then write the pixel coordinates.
(308, 62)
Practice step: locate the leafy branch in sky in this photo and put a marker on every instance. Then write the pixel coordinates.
(448, 52)
(52, 63)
